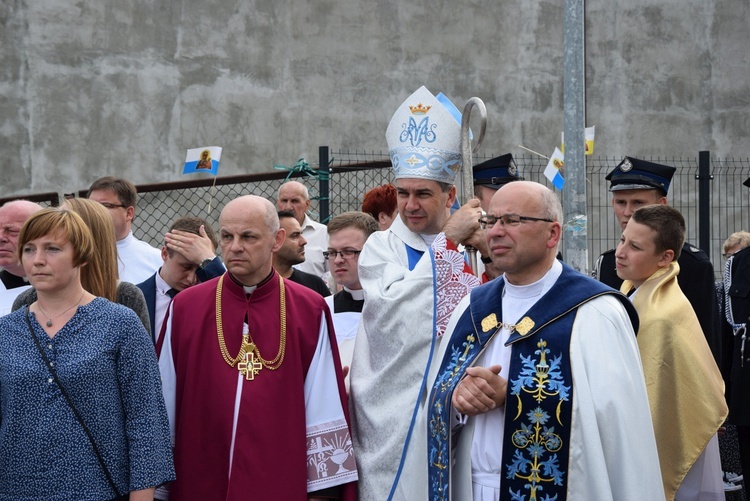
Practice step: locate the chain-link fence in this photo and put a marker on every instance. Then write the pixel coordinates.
(350, 174)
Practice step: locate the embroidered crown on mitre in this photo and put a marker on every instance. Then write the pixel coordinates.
(424, 139)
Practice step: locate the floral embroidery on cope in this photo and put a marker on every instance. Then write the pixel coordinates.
(535, 461)
(453, 278)
(330, 458)
(461, 354)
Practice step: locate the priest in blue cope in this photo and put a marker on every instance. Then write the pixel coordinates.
(538, 391)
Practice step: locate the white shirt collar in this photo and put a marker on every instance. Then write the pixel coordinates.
(162, 286)
(357, 295)
(126, 241)
(538, 288)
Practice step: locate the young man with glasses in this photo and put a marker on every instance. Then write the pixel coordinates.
(537, 389)
(347, 234)
(136, 260)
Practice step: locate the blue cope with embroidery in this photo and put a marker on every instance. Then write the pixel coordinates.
(540, 387)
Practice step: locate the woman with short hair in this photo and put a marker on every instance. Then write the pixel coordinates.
(80, 395)
(100, 275)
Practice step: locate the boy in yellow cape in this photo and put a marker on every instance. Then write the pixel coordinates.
(684, 385)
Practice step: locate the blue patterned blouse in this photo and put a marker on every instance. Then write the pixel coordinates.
(105, 359)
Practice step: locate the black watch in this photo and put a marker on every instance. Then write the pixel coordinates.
(205, 262)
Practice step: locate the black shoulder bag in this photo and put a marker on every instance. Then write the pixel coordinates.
(75, 411)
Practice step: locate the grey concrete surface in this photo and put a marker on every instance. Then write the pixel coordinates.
(90, 88)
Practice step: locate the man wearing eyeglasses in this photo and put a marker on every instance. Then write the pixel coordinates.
(12, 217)
(537, 390)
(292, 252)
(347, 234)
(136, 260)
(413, 276)
(13, 279)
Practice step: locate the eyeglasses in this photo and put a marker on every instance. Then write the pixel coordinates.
(108, 205)
(346, 254)
(508, 220)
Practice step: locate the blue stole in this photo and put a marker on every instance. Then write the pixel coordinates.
(413, 255)
(536, 436)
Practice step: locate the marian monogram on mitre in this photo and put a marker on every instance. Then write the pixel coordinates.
(424, 138)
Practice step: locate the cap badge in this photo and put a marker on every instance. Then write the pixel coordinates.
(512, 170)
(626, 165)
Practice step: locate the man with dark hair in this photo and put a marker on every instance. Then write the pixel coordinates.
(347, 234)
(189, 257)
(292, 252)
(295, 197)
(137, 260)
(491, 175)
(684, 384)
(413, 276)
(636, 183)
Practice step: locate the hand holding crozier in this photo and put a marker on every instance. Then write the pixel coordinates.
(464, 222)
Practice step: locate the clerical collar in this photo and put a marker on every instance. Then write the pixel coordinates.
(428, 239)
(121, 244)
(249, 289)
(12, 281)
(538, 288)
(357, 295)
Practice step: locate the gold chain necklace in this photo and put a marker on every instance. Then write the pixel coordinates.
(245, 361)
(49, 319)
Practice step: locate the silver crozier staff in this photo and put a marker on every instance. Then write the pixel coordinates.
(467, 178)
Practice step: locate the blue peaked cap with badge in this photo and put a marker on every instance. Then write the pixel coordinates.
(635, 174)
(495, 172)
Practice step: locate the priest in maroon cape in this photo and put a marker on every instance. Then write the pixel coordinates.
(252, 378)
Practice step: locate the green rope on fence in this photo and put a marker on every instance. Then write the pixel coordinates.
(304, 168)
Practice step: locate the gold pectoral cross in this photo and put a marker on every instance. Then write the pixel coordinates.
(249, 367)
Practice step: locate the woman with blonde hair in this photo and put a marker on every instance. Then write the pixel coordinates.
(99, 276)
(80, 394)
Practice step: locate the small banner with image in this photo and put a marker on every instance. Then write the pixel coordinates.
(204, 159)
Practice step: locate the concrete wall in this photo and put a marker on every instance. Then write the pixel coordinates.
(96, 87)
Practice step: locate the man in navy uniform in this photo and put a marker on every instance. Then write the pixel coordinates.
(635, 183)
(491, 174)
(737, 313)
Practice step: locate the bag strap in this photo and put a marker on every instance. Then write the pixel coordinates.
(72, 406)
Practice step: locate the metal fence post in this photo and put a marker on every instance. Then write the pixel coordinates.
(704, 178)
(575, 220)
(323, 182)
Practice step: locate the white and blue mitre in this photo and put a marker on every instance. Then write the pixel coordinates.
(424, 139)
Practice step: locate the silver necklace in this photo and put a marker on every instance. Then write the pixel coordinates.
(49, 319)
